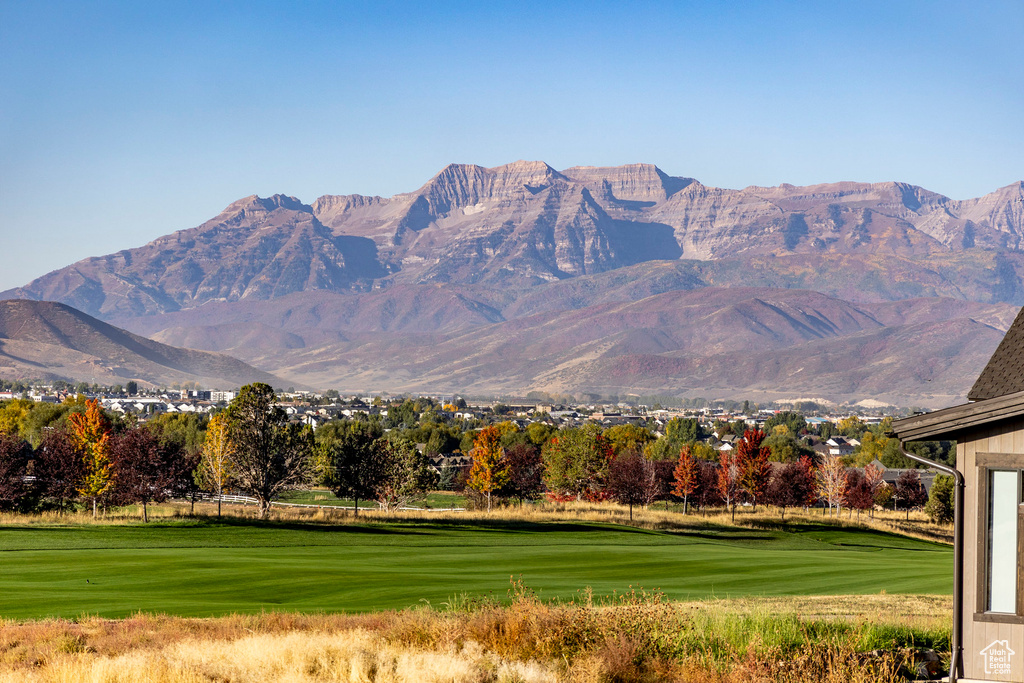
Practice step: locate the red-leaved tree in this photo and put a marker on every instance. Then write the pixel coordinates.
(752, 461)
(59, 466)
(14, 457)
(631, 480)
(910, 491)
(728, 481)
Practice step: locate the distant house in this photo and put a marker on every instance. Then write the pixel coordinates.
(839, 445)
(890, 475)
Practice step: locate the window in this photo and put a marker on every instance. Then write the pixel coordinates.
(1004, 498)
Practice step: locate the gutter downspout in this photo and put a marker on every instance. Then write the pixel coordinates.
(956, 644)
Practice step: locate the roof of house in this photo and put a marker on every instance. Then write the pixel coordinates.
(1004, 373)
(948, 421)
(998, 394)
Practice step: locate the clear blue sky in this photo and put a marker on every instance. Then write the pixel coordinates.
(123, 121)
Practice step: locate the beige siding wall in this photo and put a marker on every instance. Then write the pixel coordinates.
(1007, 439)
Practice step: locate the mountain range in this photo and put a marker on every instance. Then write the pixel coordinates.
(603, 280)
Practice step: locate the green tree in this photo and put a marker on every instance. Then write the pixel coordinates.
(271, 455)
(679, 432)
(349, 459)
(784, 448)
(405, 472)
(683, 430)
(539, 432)
(939, 507)
(628, 437)
(882, 448)
(576, 461)
(794, 421)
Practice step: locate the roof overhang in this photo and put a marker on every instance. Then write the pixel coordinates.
(947, 422)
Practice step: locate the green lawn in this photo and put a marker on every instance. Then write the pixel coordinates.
(202, 568)
(434, 499)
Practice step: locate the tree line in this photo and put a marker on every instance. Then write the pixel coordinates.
(75, 454)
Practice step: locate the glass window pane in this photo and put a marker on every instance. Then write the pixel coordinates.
(1002, 543)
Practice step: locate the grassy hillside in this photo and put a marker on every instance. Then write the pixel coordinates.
(204, 568)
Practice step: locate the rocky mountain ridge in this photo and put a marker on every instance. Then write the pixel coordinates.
(522, 248)
(526, 224)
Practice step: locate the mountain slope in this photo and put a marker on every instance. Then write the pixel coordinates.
(712, 342)
(47, 340)
(502, 278)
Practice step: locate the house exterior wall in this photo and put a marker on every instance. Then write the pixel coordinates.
(998, 445)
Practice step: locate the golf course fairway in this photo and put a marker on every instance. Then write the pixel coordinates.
(210, 568)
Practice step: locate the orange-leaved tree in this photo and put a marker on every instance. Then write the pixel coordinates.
(752, 459)
(216, 463)
(91, 431)
(686, 474)
(728, 480)
(490, 471)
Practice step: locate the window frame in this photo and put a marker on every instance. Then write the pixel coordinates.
(988, 463)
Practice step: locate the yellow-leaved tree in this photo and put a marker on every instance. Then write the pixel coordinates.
(490, 471)
(216, 463)
(91, 431)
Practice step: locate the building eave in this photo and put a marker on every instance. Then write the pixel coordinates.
(947, 422)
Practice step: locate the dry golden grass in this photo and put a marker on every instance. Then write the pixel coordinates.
(637, 637)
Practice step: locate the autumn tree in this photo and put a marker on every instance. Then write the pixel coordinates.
(631, 480)
(91, 431)
(859, 494)
(490, 471)
(15, 489)
(831, 480)
(271, 455)
(873, 482)
(525, 473)
(687, 476)
(728, 481)
(144, 472)
(13, 416)
(59, 465)
(793, 485)
(349, 460)
(216, 463)
(909, 490)
(752, 461)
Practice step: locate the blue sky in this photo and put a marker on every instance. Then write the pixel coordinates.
(123, 121)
